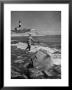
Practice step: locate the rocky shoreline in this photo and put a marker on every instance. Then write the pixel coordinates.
(39, 63)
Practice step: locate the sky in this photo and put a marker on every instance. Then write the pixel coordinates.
(44, 22)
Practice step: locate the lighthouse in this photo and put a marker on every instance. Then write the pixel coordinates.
(19, 24)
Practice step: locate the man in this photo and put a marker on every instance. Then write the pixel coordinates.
(29, 42)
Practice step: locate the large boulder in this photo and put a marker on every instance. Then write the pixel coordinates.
(42, 60)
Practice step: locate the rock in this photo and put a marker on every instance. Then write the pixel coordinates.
(57, 68)
(19, 61)
(42, 60)
(47, 74)
(18, 73)
(35, 74)
(13, 57)
(24, 76)
(57, 52)
(26, 64)
(55, 71)
(15, 68)
(14, 74)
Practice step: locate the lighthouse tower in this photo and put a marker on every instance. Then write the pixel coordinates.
(19, 24)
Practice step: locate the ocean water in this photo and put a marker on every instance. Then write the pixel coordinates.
(53, 41)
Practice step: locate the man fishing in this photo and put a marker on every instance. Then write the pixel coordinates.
(29, 42)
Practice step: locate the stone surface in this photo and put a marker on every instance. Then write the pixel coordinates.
(35, 73)
(42, 61)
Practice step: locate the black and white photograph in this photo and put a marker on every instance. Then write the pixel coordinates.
(35, 39)
(35, 44)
